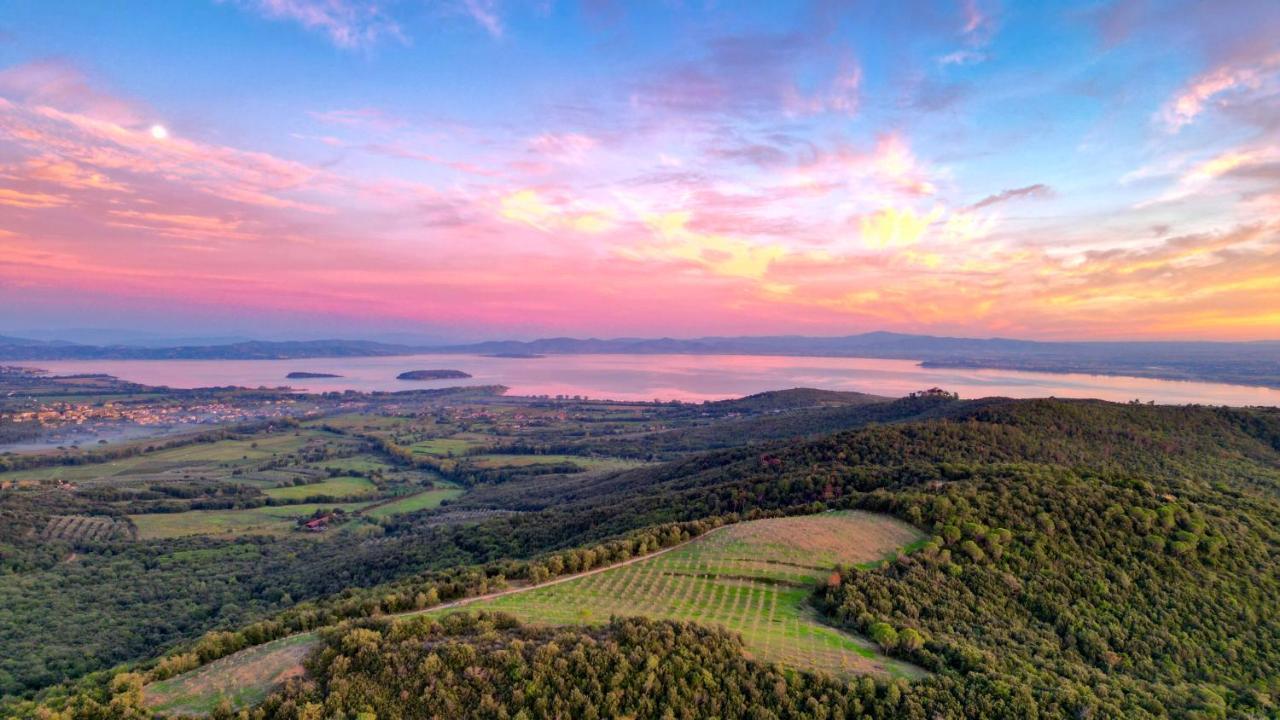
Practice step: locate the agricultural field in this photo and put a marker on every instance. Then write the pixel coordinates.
(753, 578)
(337, 487)
(78, 528)
(242, 679)
(506, 461)
(361, 422)
(209, 458)
(364, 463)
(412, 503)
(278, 519)
(447, 446)
(271, 520)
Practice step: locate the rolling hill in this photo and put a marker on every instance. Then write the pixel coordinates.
(1082, 559)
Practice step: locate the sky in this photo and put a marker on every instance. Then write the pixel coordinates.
(471, 169)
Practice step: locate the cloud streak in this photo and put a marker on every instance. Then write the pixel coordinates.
(1219, 85)
(349, 24)
(1039, 190)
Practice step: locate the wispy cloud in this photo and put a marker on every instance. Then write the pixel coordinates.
(1220, 83)
(58, 83)
(570, 147)
(485, 13)
(367, 117)
(20, 199)
(1038, 190)
(348, 23)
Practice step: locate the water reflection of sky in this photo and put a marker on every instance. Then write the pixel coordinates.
(665, 377)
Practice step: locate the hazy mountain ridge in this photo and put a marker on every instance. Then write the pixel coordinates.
(23, 349)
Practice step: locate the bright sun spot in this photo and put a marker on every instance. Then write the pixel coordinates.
(159, 132)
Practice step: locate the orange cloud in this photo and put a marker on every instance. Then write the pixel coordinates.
(895, 228)
(68, 175)
(718, 254)
(532, 209)
(191, 227)
(1197, 178)
(19, 199)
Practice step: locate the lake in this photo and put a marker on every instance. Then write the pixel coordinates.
(663, 377)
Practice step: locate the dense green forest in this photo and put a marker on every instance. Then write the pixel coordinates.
(1086, 559)
(489, 666)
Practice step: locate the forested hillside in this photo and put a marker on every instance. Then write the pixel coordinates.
(1086, 559)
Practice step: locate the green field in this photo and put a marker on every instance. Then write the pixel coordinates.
(446, 446)
(361, 423)
(753, 578)
(356, 463)
(231, 452)
(420, 501)
(242, 679)
(497, 460)
(276, 519)
(338, 487)
(272, 519)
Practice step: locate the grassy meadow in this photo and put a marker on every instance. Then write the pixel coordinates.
(338, 487)
(753, 578)
(270, 519)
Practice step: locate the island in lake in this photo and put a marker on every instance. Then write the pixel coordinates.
(300, 375)
(515, 355)
(432, 375)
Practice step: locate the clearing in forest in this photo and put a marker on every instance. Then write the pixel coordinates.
(753, 578)
(243, 679)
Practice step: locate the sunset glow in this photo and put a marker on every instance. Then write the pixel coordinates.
(519, 169)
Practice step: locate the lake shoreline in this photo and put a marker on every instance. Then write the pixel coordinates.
(676, 376)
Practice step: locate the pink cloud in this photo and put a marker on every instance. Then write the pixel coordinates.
(974, 18)
(1195, 96)
(890, 165)
(570, 148)
(79, 150)
(29, 200)
(841, 95)
(786, 234)
(65, 173)
(753, 74)
(58, 83)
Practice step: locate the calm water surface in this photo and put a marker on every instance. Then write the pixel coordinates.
(664, 377)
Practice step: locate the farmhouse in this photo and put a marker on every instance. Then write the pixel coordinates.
(317, 524)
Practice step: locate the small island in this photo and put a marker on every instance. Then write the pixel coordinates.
(432, 375)
(300, 375)
(515, 355)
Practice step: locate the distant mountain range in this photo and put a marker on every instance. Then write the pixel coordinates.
(12, 348)
(1244, 363)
